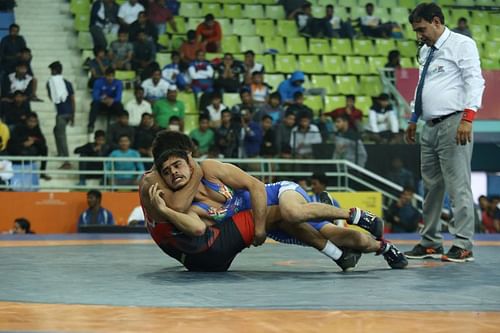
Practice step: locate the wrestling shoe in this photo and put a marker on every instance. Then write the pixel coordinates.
(422, 252)
(366, 220)
(348, 260)
(456, 254)
(395, 258)
(324, 197)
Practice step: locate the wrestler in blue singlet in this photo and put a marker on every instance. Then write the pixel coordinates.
(239, 200)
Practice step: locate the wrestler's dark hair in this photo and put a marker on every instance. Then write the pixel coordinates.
(168, 154)
(168, 140)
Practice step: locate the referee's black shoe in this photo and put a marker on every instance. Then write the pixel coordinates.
(422, 252)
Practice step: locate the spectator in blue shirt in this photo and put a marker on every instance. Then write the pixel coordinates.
(289, 87)
(136, 169)
(106, 97)
(95, 214)
(173, 72)
(402, 215)
(251, 134)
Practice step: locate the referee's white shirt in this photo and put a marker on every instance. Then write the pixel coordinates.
(453, 81)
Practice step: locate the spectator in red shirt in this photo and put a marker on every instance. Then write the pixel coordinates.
(210, 33)
(160, 15)
(355, 115)
(189, 48)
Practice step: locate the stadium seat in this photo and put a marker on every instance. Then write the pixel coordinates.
(213, 56)
(408, 32)
(363, 47)
(82, 22)
(275, 12)
(486, 3)
(211, 8)
(296, 45)
(376, 63)
(231, 99)
(190, 9)
(479, 32)
(384, 46)
(345, 3)
(445, 2)
(456, 14)
(347, 85)
(232, 11)
(190, 121)
(267, 61)
(494, 33)
(362, 3)
(388, 3)
(370, 85)
(333, 64)
(334, 102)
(319, 46)
(310, 64)
(287, 28)
(251, 43)
(276, 43)
(383, 14)
(189, 102)
(285, 63)
(400, 15)
(318, 11)
(243, 27)
(226, 26)
(490, 63)
(364, 103)
(480, 17)
(315, 102)
(274, 80)
(407, 48)
(357, 12)
(495, 19)
(265, 28)
(180, 24)
(492, 50)
(84, 41)
(356, 65)
(408, 63)
(341, 46)
(125, 75)
(470, 3)
(163, 59)
(230, 44)
(324, 81)
(164, 41)
(79, 6)
(254, 11)
(410, 4)
(193, 22)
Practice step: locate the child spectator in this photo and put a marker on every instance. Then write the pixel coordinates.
(299, 108)
(95, 214)
(259, 89)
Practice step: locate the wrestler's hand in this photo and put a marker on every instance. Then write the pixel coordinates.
(156, 198)
(464, 133)
(259, 238)
(410, 133)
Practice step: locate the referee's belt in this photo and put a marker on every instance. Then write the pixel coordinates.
(437, 120)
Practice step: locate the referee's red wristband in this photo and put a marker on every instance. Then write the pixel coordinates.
(468, 115)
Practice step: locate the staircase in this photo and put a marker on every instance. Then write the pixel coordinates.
(47, 26)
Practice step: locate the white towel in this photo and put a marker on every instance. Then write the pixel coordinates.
(58, 90)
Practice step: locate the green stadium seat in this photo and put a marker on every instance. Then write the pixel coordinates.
(164, 41)
(127, 95)
(176, 42)
(492, 50)
(265, 28)
(243, 27)
(362, 3)
(248, 2)
(296, 45)
(323, 81)
(357, 12)
(400, 15)
(388, 3)
(226, 26)
(364, 103)
(275, 12)
(190, 121)
(479, 32)
(232, 11)
(211, 8)
(486, 2)
(445, 2)
(181, 25)
(310, 64)
(266, 2)
(190, 9)
(287, 28)
(319, 46)
(163, 59)
(212, 56)
(251, 43)
(408, 63)
(469, 3)
(82, 22)
(455, 14)
(189, 102)
(333, 64)
(125, 75)
(79, 6)
(285, 63)
(495, 19)
(274, 80)
(347, 85)
(407, 48)
(363, 47)
(346, 3)
(490, 63)
(356, 65)
(494, 33)
(254, 11)
(318, 11)
(87, 54)
(376, 63)
(267, 61)
(84, 41)
(275, 42)
(408, 31)
(480, 17)
(111, 37)
(334, 102)
(370, 85)
(341, 46)
(315, 102)
(231, 99)
(341, 12)
(193, 23)
(383, 14)
(230, 44)
(384, 46)
(410, 4)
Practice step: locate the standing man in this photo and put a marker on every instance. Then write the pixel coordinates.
(447, 98)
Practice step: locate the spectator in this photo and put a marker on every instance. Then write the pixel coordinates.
(136, 217)
(291, 5)
(201, 74)
(143, 23)
(487, 215)
(273, 109)
(203, 134)
(26, 57)
(129, 11)
(61, 93)
(103, 20)
(119, 129)
(16, 110)
(98, 148)
(348, 144)
(462, 27)
(290, 86)
(209, 32)
(167, 107)
(251, 66)
(299, 108)
(144, 136)
(155, 88)
(99, 65)
(160, 15)
(399, 174)
(250, 135)
(10, 48)
(308, 25)
(246, 103)
(229, 74)
(402, 215)
(173, 6)
(137, 106)
(214, 110)
(372, 26)
(259, 89)
(340, 28)
(4, 136)
(268, 146)
(106, 97)
(284, 135)
(319, 182)
(21, 227)
(173, 73)
(144, 52)
(189, 48)
(95, 214)
(174, 124)
(28, 140)
(393, 63)
(226, 136)
(354, 114)
(383, 125)
(303, 136)
(19, 80)
(121, 51)
(136, 169)
(496, 215)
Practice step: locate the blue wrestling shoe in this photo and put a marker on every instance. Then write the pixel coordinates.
(395, 258)
(368, 221)
(348, 260)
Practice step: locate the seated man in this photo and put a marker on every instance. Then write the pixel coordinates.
(98, 148)
(402, 215)
(198, 224)
(155, 87)
(95, 214)
(383, 125)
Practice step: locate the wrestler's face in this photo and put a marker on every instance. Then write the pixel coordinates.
(176, 172)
